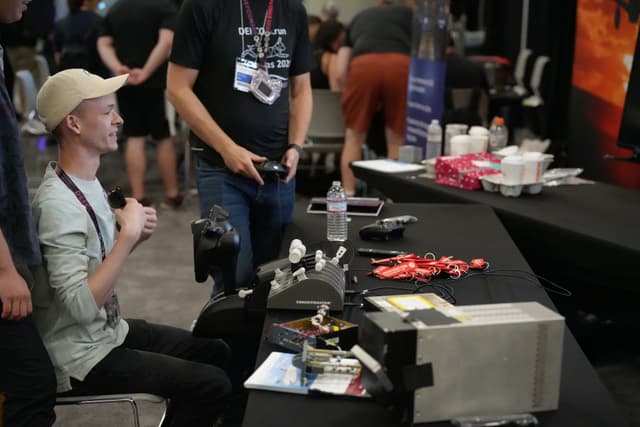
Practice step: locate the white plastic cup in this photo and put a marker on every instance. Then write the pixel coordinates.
(479, 143)
(451, 130)
(479, 131)
(532, 168)
(460, 144)
(512, 167)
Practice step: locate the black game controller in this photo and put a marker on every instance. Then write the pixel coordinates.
(381, 230)
(271, 168)
(116, 198)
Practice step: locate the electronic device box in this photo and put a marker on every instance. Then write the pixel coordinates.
(478, 360)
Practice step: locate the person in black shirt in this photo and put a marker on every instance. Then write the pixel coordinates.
(218, 47)
(27, 379)
(463, 73)
(328, 39)
(136, 38)
(75, 38)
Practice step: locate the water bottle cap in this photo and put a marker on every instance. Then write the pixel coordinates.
(336, 183)
(498, 120)
(435, 121)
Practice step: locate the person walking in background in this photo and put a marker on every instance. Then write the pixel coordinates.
(136, 38)
(27, 379)
(378, 39)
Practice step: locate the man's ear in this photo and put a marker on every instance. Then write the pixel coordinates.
(72, 123)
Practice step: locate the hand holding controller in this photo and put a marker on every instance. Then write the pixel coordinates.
(272, 168)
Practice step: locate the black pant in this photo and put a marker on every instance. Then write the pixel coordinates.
(27, 379)
(168, 362)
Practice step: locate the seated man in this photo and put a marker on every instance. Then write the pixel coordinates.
(93, 350)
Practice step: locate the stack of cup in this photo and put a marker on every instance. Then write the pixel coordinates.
(460, 144)
(512, 169)
(532, 167)
(451, 130)
(479, 139)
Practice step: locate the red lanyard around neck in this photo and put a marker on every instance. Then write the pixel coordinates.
(261, 51)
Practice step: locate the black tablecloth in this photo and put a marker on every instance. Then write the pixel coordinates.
(464, 232)
(574, 234)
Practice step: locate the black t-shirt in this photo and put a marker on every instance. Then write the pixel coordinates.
(319, 80)
(134, 26)
(385, 29)
(465, 73)
(75, 37)
(209, 37)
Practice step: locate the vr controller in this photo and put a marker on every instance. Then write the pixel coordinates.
(272, 168)
(216, 244)
(116, 198)
(388, 228)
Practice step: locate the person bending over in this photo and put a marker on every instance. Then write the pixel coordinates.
(95, 351)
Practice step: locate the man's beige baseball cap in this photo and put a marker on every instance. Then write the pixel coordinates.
(64, 91)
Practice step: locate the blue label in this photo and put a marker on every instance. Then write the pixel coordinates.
(244, 78)
(425, 99)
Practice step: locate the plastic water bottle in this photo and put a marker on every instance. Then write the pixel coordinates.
(336, 213)
(434, 140)
(498, 135)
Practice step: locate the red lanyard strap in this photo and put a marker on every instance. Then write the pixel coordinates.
(260, 50)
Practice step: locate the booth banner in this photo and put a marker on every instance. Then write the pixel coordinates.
(425, 97)
(425, 91)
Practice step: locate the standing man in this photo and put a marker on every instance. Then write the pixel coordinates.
(27, 381)
(136, 38)
(239, 76)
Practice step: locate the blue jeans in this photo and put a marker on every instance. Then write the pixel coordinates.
(259, 214)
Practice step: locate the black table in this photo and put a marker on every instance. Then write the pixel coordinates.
(581, 234)
(465, 232)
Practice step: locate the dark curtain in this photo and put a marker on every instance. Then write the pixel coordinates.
(552, 33)
(502, 25)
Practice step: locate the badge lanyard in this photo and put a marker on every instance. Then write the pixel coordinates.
(111, 305)
(261, 48)
(83, 200)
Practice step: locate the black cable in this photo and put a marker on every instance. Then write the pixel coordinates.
(555, 288)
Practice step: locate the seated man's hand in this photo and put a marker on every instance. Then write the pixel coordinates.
(132, 218)
(150, 223)
(15, 295)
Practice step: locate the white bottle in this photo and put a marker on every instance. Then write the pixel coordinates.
(336, 213)
(434, 140)
(498, 135)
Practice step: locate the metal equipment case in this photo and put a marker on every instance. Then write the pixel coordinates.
(474, 360)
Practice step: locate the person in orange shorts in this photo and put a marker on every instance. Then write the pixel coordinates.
(374, 70)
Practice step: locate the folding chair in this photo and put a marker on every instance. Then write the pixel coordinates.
(131, 399)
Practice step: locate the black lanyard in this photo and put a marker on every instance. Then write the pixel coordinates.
(72, 186)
